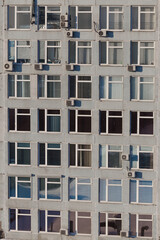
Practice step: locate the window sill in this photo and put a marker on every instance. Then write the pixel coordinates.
(111, 65)
(81, 133)
(51, 98)
(19, 165)
(16, 198)
(112, 30)
(81, 99)
(111, 202)
(16, 131)
(80, 201)
(53, 200)
(18, 29)
(17, 98)
(114, 100)
(142, 30)
(136, 203)
(136, 100)
(48, 132)
(111, 134)
(55, 233)
(73, 167)
(142, 135)
(50, 166)
(117, 169)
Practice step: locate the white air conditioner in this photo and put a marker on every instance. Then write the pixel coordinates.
(69, 67)
(131, 174)
(38, 66)
(69, 103)
(64, 232)
(69, 33)
(124, 157)
(132, 68)
(64, 18)
(8, 66)
(124, 234)
(102, 33)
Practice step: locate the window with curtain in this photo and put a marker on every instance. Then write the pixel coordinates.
(141, 191)
(110, 224)
(141, 225)
(80, 87)
(111, 87)
(80, 52)
(81, 17)
(49, 52)
(49, 86)
(79, 223)
(49, 154)
(19, 219)
(19, 153)
(110, 156)
(80, 189)
(110, 190)
(19, 86)
(49, 221)
(49, 188)
(49, 120)
(19, 51)
(19, 187)
(80, 155)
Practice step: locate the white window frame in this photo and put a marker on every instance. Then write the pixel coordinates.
(46, 188)
(76, 188)
(111, 150)
(108, 13)
(15, 119)
(16, 150)
(107, 90)
(143, 151)
(107, 186)
(80, 81)
(77, 19)
(76, 121)
(108, 218)
(138, 123)
(138, 186)
(46, 220)
(45, 117)
(139, 54)
(139, 18)
(46, 12)
(46, 154)
(45, 51)
(46, 80)
(17, 214)
(15, 17)
(141, 83)
(76, 222)
(16, 80)
(81, 150)
(76, 52)
(16, 186)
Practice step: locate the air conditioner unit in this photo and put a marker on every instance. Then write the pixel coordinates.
(124, 157)
(8, 66)
(64, 24)
(131, 174)
(69, 33)
(69, 103)
(102, 33)
(38, 66)
(69, 67)
(64, 232)
(132, 68)
(124, 234)
(64, 18)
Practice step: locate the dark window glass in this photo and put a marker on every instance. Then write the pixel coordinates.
(12, 187)
(41, 120)
(72, 52)
(23, 123)
(42, 153)
(53, 157)
(134, 122)
(134, 53)
(72, 154)
(146, 160)
(102, 223)
(84, 124)
(146, 126)
(133, 225)
(11, 153)
(24, 223)
(42, 220)
(115, 125)
(114, 160)
(23, 156)
(114, 227)
(145, 228)
(72, 120)
(54, 224)
(84, 225)
(11, 119)
(72, 84)
(103, 121)
(12, 219)
(72, 222)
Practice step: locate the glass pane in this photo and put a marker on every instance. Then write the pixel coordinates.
(84, 124)
(146, 56)
(84, 192)
(41, 220)
(24, 190)
(41, 51)
(114, 160)
(53, 224)
(134, 88)
(115, 56)
(114, 227)
(134, 53)
(53, 21)
(24, 223)
(11, 15)
(146, 160)
(11, 50)
(72, 11)
(146, 91)
(53, 89)
(12, 219)
(72, 188)
(145, 194)
(53, 191)
(11, 153)
(53, 123)
(41, 17)
(147, 21)
(12, 187)
(103, 85)
(115, 125)
(53, 55)
(84, 226)
(23, 54)
(103, 18)
(134, 17)
(146, 126)
(84, 56)
(23, 20)
(115, 21)
(102, 223)
(84, 159)
(133, 191)
(20, 123)
(114, 194)
(41, 86)
(102, 190)
(54, 157)
(23, 89)
(41, 187)
(84, 21)
(115, 91)
(84, 90)
(145, 228)
(23, 156)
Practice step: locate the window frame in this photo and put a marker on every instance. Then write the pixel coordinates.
(139, 83)
(16, 218)
(16, 147)
(76, 222)
(46, 11)
(107, 53)
(46, 188)
(139, 18)
(107, 191)
(17, 181)
(46, 46)
(46, 80)
(139, 53)
(107, 90)
(46, 154)
(108, 12)
(15, 17)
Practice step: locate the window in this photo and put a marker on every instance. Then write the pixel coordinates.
(49, 120)
(111, 88)
(80, 121)
(80, 189)
(111, 18)
(49, 221)
(49, 17)
(110, 156)
(49, 154)
(19, 86)
(141, 157)
(50, 188)
(143, 18)
(19, 153)
(111, 122)
(140, 225)
(110, 190)
(80, 52)
(17, 118)
(19, 187)
(49, 52)
(19, 220)
(79, 223)
(19, 17)
(80, 155)
(19, 51)
(81, 17)
(111, 53)
(142, 123)
(140, 191)
(142, 88)
(49, 86)
(142, 53)
(80, 87)
(110, 224)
